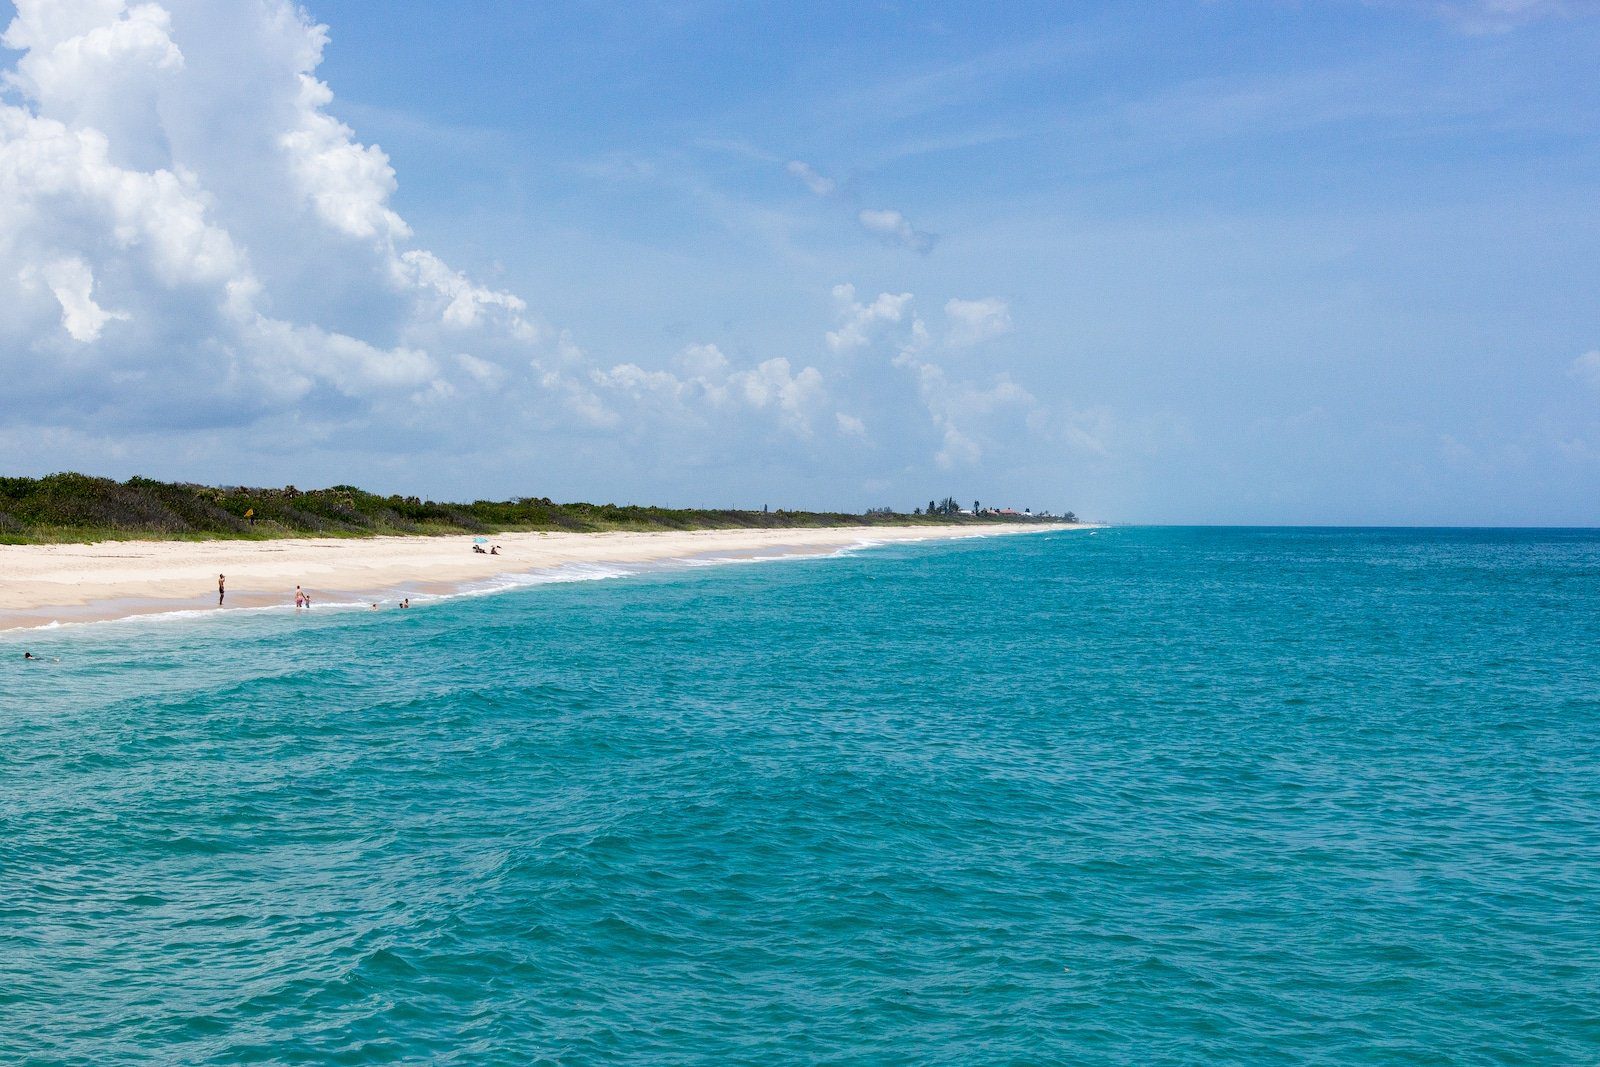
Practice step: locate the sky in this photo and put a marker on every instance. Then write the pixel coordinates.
(1219, 261)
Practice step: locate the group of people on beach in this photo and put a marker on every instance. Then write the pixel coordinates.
(302, 599)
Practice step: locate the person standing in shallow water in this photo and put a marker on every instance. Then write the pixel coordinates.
(222, 588)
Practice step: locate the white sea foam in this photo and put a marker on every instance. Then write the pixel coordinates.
(569, 572)
(189, 615)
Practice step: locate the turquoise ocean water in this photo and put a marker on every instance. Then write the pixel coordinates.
(1126, 797)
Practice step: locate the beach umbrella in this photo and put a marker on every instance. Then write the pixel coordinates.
(480, 540)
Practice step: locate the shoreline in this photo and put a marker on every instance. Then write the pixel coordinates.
(44, 586)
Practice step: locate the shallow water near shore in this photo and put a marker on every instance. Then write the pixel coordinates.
(1114, 796)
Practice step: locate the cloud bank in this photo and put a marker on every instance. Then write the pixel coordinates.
(193, 246)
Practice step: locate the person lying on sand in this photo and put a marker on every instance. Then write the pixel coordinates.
(479, 550)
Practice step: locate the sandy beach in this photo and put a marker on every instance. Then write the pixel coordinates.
(44, 584)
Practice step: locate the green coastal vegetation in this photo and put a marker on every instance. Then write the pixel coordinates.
(76, 508)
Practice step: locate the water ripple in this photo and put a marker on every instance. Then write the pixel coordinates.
(1155, 796)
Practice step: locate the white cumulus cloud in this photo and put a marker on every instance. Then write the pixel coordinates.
(965, 413)
(894, 228)
(73, 285)
(704, 380)
(858, 322)
(348, 183)
(175, 239)
(202, 251)
(975, 321)
(817, 182)
(968, 418)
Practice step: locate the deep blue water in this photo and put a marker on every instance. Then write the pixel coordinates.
(1137, 796)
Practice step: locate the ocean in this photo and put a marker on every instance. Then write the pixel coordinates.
(1124, 796)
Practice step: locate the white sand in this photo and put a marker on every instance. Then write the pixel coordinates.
(40, 584)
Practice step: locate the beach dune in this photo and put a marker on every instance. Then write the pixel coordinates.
(44, 584)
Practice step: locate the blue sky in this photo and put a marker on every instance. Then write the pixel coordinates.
(1211, 262)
